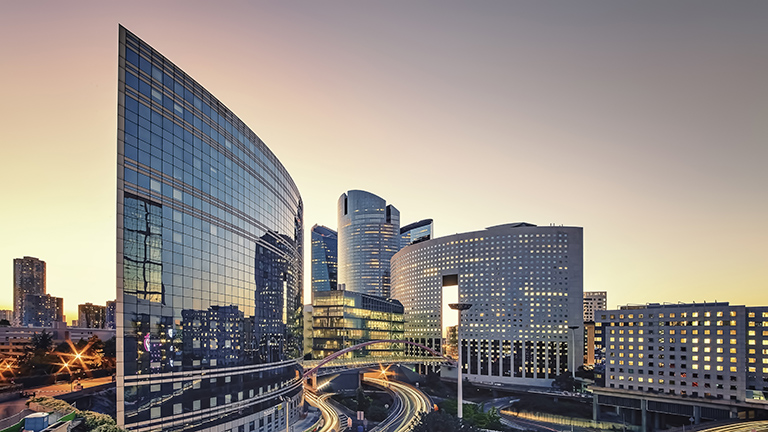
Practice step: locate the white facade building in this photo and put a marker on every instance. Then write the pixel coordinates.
(525, 284)
(594, 301)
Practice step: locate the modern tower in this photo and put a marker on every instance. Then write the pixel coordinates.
(324, 259)
(416, 232)
(28, 278)
(525, 285)
(209, 259)
(369, 234)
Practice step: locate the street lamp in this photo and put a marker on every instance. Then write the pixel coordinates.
(573, 353)
(459, 307)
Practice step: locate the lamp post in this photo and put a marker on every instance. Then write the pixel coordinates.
(459, 307)
(573, 353)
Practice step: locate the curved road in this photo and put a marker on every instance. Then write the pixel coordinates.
(411, 403)
(757, 426)
(330, 417)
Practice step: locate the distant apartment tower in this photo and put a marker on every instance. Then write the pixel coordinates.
(110, 317)
(324, 259)
(6, 314)
(369, 234)
(91, 316)
(594, 301)
(525, 284)
(416, 232)
(28, 278)
(42, 310)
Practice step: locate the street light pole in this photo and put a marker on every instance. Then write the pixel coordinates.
(573, 352)
(459, 387)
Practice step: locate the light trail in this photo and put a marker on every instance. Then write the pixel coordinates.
(330, 417)
(412, 403)
(756, 426)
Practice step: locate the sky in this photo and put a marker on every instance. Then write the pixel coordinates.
(645, 123)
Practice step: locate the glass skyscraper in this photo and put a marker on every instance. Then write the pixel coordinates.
(324, 259)
(416, 232)
(369, 234)
(209, 259)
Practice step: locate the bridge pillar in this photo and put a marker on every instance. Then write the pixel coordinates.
(643, 415)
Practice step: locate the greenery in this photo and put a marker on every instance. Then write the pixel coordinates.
(474, 414)
(94, 421)
(441, 421)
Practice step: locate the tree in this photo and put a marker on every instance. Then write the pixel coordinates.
(41, 342)
(441, 421)
(5, 323)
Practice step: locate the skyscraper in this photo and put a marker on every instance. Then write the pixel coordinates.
(525, 285)
(28, 278)
(42, 310)
(324, 259)
(416, 232)
(209, 259)
(369, 234)
(90, 315)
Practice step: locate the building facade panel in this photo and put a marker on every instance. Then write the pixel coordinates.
(209, 259)
(696, 350)
(324, 259)
(525, 285)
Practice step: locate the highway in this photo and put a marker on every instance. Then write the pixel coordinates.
(330, 417)
(410, 402)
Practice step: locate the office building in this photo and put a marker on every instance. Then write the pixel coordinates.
(209, 259)
(525, 284)
(594, 301)
(6, 314)
(324, 258)
(700, 361)
(308, 331)
(341, 319)
(369, 234)
(416, 232)
(110, 316)
(90, 315)
(42, 310)
(28, 278)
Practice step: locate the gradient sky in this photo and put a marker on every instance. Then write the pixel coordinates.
(646, 123)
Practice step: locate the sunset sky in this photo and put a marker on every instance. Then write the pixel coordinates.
(646, 123)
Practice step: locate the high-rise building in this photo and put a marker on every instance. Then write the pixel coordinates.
(369, 234)
(416, 232)
(341, 319)
(693, 360)
(6, 314)
(594, 301)
(110, 317)
(42, 310)
(308, 330)
(525, 285)
(90, 315)
(209, 259)
(28, 278)
(324, 259)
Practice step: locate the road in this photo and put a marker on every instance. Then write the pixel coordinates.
(57, 389)
(756, 426)
(409, 404)
(330, 417)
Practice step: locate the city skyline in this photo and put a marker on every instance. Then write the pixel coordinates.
(639, 122)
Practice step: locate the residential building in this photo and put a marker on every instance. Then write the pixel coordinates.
(110, 317)
(706, 360)
(342, 319)
(209, 259)
(369, 234)
(6, 314)
(90, 315)
(42, 310)
(324, 259)
(524, 283)
(416, 232)
(28, 278)
(594, 301)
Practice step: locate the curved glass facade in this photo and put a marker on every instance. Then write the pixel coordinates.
(369, 234)
(209, 259)
(324, 254)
